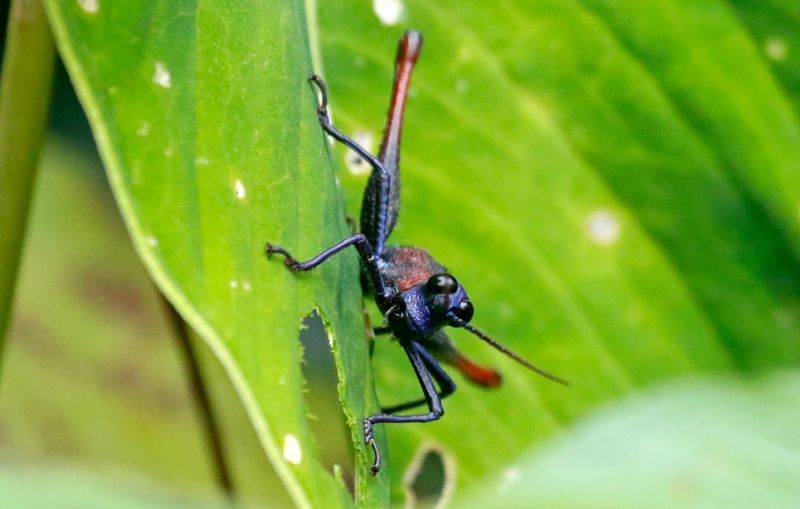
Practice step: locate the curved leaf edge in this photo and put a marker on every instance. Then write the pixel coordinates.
(156, 271)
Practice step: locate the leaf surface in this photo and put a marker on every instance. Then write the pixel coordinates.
(615, 183)
(694, 444)
(206, 125)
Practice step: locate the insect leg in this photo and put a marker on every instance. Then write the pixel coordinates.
(380, 179)
(381, 202)
(328, 127)
(431, 398)
(446, 384)
(364, 250)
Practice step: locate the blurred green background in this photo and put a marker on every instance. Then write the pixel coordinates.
(95, 394)
(640, 233)
(93, 379)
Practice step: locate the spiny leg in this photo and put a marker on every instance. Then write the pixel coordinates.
(380, 178)
(382, 291)
(446, 384)
(381, 202)
(328, 127)
(408, 51)
(431, 398)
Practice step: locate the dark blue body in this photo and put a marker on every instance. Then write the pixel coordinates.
(413, 291)
(416, 315)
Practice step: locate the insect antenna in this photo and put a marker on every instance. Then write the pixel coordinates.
(461, 323)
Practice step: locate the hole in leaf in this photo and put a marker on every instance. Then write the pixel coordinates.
(428, 481)
(325, 416)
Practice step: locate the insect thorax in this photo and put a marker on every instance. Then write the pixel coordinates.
(404, 267)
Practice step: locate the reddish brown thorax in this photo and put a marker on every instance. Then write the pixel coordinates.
(407, 266)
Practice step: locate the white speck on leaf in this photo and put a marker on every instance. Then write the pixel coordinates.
(603, 227)
(238, 188)
(511, 476)
(461, 85)
(168, 152)
(354, 162)
(152, 241)
(388, 11)
(464, 54)
(775, 49)
(201, 161)
(161, 76)
(143, 129)
(247, 286)
(291, 449)
(90, 6)
(783, 318)
(234, 283)
(506, 310)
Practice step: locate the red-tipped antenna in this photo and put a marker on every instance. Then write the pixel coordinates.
(407, 53)
(461, 323)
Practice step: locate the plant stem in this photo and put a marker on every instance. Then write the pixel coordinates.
(200, 393)
(25, 89)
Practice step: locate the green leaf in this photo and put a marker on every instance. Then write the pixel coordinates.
(774, 26)
(206, 125)
(615, 184)
(92, 377)
(694, 444)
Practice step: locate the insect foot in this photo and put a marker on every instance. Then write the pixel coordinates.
(289, 261)
(369, 439)
(322, 108)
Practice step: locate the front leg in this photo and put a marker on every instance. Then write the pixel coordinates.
(446, 384)
(328, 127)
(431, 397)
(382, 292)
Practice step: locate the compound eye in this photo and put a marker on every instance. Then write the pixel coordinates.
(441, 283)
(465, 310)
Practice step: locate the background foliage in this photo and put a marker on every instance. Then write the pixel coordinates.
(615, 183)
